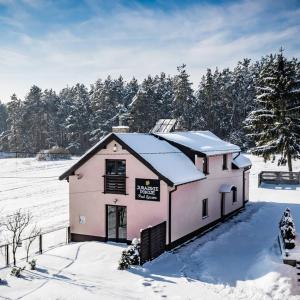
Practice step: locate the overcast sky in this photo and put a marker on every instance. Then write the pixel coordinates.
(57, 43)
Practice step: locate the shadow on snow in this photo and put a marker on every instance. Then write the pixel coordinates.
(242, 248)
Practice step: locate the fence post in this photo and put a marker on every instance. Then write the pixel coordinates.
(68, 234)
(41, 244)
(7, 255)
(278, 177)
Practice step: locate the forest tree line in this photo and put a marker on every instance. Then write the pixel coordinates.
(77, 117)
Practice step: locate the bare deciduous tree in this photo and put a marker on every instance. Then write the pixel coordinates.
(35, 231)
(15, 225)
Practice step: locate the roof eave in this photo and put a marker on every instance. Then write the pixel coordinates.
(183, 183)
(85, 158)
(105, 141)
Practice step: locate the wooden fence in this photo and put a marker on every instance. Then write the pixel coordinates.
(153, 242)
(44, 241)
(275, 177)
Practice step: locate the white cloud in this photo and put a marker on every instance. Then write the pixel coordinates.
(141, 41)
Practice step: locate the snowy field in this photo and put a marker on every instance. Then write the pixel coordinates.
(34, 186)
(239, 259)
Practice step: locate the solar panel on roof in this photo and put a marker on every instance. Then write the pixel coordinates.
(164, 126)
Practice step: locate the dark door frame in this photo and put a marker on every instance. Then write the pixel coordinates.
(117, 224)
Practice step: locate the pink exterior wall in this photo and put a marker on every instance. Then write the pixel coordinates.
(187, 199)
(87, 197)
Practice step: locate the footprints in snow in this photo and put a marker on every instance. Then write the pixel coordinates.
(156, 287)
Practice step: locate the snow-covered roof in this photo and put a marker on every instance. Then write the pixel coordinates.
(168, 161)
(241, 161)
(226, 188)
(202, 141)
(165, 158)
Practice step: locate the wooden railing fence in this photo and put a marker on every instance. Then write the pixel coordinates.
(44, 241)
(278, 177)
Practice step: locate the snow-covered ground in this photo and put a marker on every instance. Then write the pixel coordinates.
(34, 186)
(239, 259)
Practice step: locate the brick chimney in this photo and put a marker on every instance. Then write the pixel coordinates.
(120, 129)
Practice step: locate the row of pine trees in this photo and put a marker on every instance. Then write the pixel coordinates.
(253, 104)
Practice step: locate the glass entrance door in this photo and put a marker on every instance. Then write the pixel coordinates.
(116, 223)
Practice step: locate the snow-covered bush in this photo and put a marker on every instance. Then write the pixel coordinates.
(130, 256)
(287, 229)
(55, 153)
(16, 271)
(32, 264)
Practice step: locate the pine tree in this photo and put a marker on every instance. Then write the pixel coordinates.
(14, 135)
(34, 120)
(184, 100)
(275, 126)
(145, 107)
(130, 91)
(108, 103)
(3, 117)
(207, 97)
(243, 94)
(64, 108)
(78, 122)
(52, 131)
(165, 96)
(3, 127)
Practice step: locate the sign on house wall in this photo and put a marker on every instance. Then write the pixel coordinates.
(147, 189)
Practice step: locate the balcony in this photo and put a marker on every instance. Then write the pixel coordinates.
(114, 184)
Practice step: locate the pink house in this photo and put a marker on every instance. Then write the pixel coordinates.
(129, 181)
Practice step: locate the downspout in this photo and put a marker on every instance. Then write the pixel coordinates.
(173, 189)
(238, 155)
(244, 187)
(244, 170)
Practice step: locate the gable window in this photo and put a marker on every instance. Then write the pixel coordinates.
(225, 162)
(234, 198)
(204, 208)
(115, 176)
(206, 165)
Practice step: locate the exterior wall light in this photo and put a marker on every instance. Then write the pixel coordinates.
(115, 148)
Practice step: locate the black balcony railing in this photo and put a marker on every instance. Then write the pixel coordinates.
(115, 184)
